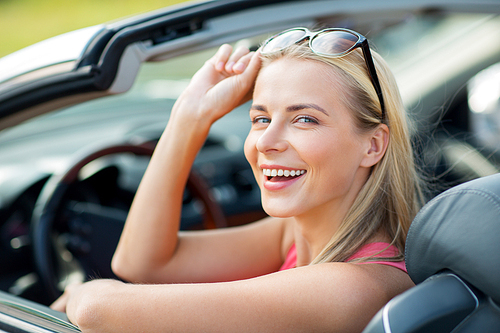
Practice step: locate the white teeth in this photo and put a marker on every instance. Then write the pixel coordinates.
(281, 172)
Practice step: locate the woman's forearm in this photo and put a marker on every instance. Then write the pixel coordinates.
(149, 238)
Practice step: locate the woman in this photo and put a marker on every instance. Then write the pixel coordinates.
(330, 150)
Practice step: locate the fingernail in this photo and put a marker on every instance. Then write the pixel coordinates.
(219, 66)
(239, 67)
(229, 66)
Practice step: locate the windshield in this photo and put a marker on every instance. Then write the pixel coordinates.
(63, 49)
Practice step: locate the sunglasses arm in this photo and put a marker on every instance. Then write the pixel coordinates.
(373, 74)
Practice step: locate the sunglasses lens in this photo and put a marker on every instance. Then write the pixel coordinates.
(334, 42)
(282, 41)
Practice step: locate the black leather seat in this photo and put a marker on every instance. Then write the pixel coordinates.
(453, 256)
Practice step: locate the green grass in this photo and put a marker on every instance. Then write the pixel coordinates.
(24, 22)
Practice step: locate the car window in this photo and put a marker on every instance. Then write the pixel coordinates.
(430, 50)
(484, 105)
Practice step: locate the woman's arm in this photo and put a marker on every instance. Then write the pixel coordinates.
(333, 297)
(150, 250)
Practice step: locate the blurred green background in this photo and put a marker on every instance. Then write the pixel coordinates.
(24, 22)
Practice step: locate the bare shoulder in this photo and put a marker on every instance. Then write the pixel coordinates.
(361, 283)
(388, 280)
(349, 295)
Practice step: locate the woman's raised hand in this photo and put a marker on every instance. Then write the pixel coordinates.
(225, 81)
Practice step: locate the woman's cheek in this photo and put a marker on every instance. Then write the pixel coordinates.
(250, 147)
(251, 153)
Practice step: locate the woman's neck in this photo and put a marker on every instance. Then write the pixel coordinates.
(313, 231)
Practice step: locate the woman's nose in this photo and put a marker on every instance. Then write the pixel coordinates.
(272, 139)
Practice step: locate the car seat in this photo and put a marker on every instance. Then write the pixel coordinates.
(453, 256)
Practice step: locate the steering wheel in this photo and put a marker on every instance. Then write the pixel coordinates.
(91, 231)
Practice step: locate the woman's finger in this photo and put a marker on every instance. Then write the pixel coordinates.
(60, 303)
(240, 66)
(221, 57)
(251, 64)
(235, 57)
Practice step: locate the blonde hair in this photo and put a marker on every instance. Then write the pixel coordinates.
(391, 196)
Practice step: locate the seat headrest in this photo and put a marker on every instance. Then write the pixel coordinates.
(459, 230)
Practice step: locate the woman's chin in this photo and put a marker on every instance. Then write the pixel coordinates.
(279, 211)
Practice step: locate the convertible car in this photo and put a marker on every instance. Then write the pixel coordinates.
(80, 115)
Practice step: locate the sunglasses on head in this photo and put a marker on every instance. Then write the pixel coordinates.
(330, 43)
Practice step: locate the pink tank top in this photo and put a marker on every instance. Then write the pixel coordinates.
(365, 251)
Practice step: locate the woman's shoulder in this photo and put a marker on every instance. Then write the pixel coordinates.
(371, 281)
(349, 289)
(384, 276)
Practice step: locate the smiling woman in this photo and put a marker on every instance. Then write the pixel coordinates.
(333, 160)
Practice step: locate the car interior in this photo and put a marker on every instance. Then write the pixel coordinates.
(67, 178)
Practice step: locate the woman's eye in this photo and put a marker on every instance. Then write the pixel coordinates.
(261, 120)
(306, 119)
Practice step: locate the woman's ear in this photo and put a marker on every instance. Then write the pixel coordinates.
(378, 141)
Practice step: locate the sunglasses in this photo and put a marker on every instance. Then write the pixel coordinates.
(330, 43)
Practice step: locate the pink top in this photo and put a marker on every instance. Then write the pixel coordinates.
(365, 251)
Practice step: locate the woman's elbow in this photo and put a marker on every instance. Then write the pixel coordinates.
(92, 306)
(130, 271)
(122, 269)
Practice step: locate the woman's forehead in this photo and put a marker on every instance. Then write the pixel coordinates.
(295, 79)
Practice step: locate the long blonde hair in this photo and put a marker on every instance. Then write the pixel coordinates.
(391, 196)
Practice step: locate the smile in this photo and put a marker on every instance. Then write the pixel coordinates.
(282, 173)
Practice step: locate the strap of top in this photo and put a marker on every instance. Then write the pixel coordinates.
(371, 249)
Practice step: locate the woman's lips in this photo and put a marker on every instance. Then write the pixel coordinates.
(279, 178)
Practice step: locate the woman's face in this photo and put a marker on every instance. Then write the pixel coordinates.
(304, 148)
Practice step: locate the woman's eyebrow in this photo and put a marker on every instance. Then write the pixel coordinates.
(298, 107)
(293, 108)
(258, 107)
